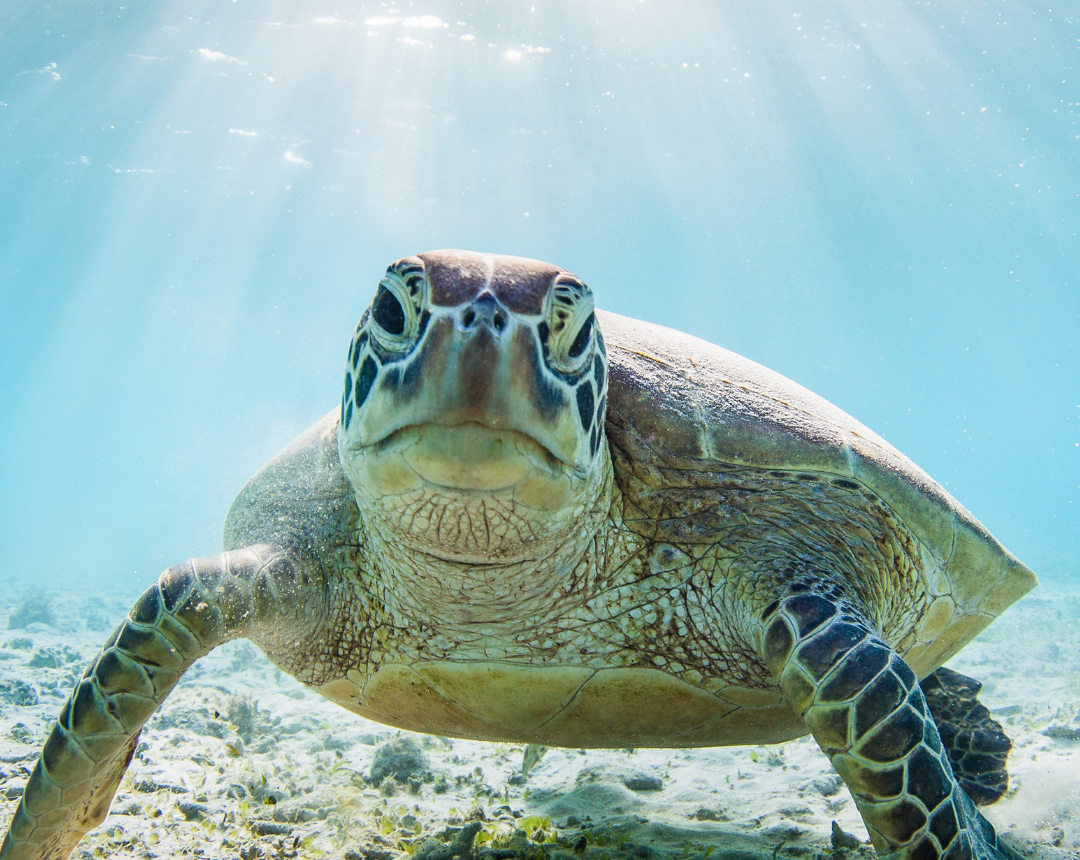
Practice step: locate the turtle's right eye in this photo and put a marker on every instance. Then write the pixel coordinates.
(394, 317)
(387, 311)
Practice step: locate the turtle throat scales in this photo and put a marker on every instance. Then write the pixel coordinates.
(459, 558)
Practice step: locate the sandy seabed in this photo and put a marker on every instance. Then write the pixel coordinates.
(243, 761)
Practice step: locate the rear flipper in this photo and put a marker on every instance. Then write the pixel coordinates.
(193, 608)
(976, 744)
(866, 710)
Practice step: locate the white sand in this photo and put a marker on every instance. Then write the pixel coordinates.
(210, 764)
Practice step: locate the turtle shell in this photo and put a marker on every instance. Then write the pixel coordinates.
(700, 429)
(675, 396)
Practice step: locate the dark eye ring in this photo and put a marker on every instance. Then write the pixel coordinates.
(582, 339)
(388, 312)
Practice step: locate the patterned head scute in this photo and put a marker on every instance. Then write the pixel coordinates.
(455, 338)
(520, 285)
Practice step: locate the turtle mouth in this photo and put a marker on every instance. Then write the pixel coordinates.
(469, 456)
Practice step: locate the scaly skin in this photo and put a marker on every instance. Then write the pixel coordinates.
(191, 609)
(866, 710)
(978, 748)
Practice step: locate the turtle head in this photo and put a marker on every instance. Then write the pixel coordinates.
(472, 420)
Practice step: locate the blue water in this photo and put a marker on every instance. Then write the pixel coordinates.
(879, 200)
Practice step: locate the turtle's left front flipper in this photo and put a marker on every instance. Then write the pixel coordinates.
(865, 708)
(192, 608)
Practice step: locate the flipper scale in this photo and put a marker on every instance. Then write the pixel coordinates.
(881, 735)
(192, 608)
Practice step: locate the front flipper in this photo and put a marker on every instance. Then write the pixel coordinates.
(866, 710)
(191, 609)
(978, 748)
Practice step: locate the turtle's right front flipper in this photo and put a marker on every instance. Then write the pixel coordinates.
(191, 609)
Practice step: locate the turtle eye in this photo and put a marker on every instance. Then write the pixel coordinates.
(582, 339)
(393, 318)
(387, 311)
(570, 325)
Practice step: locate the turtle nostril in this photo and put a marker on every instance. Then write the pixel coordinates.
(468, 317)
(499, 320)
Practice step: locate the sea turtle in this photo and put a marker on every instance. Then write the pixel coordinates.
(534, 522)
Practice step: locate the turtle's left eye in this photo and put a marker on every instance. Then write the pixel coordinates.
(570, 324)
